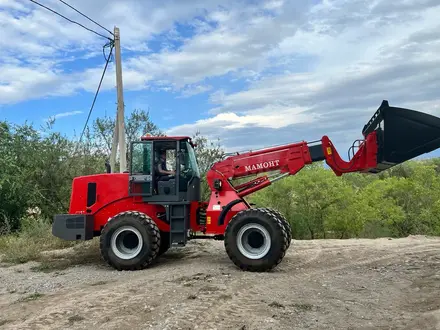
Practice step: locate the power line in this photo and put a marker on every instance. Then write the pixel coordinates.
(53, 11)
(96, 95)
(86, 16)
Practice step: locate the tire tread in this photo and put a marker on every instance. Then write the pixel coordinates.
(146, 222)
(269, 217)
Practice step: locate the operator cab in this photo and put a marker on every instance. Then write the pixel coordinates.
(164, 169)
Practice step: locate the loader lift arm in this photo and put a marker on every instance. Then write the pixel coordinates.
(285, 160)
(408, 134)
(288, 160)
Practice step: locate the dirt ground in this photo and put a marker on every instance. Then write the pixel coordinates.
(322, 284)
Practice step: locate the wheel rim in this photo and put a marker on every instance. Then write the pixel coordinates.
(253, 241)
(126, 242)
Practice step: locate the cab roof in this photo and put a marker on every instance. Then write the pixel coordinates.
(173, 138)
(148, 137)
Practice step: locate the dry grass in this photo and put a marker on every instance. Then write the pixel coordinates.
(31, 297)
(28, 245)
(84, 253)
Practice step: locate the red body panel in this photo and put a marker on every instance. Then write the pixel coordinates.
(112, 198)
(102, 216)
(216, 202)
(110, 187)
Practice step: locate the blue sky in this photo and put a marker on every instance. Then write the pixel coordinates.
(252, 73)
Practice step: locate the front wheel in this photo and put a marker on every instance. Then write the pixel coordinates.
(255, 240)
(286, 224)
(130, 241)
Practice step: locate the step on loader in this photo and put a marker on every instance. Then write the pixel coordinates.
(139, 215)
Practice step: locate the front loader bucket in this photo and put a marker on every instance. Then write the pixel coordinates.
(402, 134)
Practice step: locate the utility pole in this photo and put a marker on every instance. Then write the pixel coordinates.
(114, 145)
(119, 133)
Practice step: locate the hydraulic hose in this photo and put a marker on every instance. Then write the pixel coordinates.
(221, 217)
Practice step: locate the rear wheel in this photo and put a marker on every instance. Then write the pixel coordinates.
(255, 240)
(130, 241)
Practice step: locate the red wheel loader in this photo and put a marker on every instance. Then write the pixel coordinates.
(140, 214)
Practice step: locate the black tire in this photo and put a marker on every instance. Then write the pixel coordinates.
(271, 225)
(164, 242)
(286, 224)
(132, 223)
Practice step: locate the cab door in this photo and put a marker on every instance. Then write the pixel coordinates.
(141, 168)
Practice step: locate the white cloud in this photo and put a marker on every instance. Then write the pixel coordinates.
(22, 83)
(36, 43)
(195, 89)
(305, 68)
(64, 114)
(67, 114)
(12, 4)
(240, 43)
(352, 62)
(268, 118)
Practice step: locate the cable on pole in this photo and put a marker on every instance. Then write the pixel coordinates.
(107, 45)
(86, 16)
(96, 94)
(74, 22)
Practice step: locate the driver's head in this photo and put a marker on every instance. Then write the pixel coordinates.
(162, 154)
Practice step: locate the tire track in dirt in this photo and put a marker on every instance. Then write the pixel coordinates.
(361, 258)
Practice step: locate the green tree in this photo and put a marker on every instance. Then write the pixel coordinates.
(317, 192)
(207, 153)
(38, 166)
(137, 124)
(416, 195)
